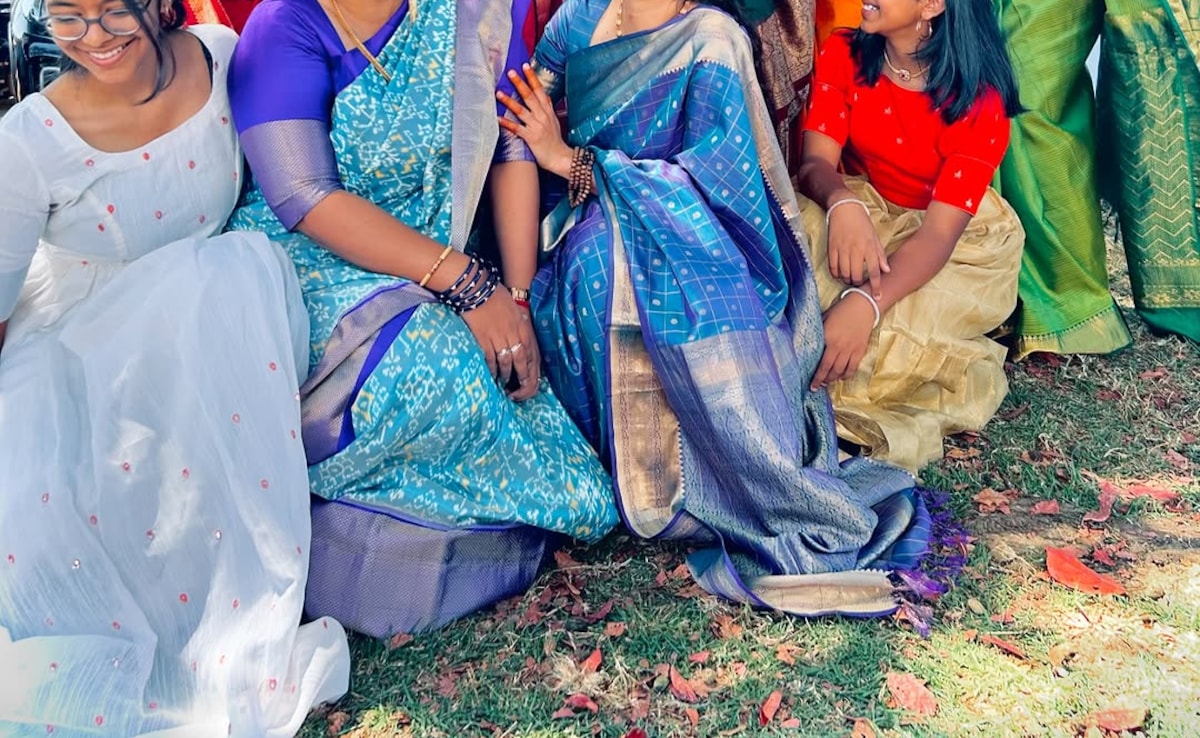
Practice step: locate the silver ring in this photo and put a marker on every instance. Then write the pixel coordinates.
(504, 352)
(515, 347)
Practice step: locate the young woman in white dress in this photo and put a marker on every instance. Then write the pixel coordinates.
(154, 519)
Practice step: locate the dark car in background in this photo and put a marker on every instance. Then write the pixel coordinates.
(33, 58)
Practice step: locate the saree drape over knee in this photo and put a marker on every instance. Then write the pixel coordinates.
(680, 325)
(439, 488)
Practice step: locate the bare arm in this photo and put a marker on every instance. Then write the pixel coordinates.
(515, 196)
(818, 178)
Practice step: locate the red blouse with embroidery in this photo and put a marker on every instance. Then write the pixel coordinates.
(896, 138)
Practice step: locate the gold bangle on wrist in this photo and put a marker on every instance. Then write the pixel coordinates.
(429, 274)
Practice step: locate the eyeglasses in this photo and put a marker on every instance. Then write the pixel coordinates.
(115, 22)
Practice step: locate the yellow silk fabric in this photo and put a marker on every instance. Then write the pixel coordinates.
(929, 370)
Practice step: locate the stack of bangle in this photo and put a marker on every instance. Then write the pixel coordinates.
(579, 179)
(472, 288)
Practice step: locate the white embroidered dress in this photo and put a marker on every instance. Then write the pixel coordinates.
(154, 520)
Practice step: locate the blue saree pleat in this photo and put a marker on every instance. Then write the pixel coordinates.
(429, 472)
(680, 325)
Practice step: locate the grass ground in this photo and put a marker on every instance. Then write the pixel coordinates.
(1013, 653)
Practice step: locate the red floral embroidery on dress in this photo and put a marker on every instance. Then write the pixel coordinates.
(293, 433)
(125, 466)
(191, 165)
(183, 597)
(89, 163)
(53, 666)
(272, 684)
(45, 497)
(152, 706)
(272, 366)
(93, 519)
(236, 418)
(146, 156)
(236, 604)
(185, 473)
(99, 720)
(116, 625)
(49, 123)
(264, 483)
(203, 218)
(158, 214)
(101, 227)
(49, 728)
(224, 120)
(150, 534)
(12, 559)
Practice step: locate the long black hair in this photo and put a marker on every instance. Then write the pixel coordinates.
(156, 34)
(964, 54)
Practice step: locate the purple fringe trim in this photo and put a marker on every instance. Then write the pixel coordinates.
(939, 569)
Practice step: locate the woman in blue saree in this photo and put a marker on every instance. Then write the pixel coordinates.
(677, 315)
(369, 126)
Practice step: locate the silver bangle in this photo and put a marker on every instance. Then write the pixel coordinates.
(864, 293)
(829, 210)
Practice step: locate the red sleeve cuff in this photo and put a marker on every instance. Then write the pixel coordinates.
(963, 182)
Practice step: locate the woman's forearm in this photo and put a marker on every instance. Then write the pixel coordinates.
(366, 236)
(821, 182)
(515, 196)
(923, 255)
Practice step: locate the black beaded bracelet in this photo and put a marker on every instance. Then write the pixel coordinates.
(472, 289)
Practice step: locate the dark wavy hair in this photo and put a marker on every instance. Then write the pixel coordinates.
(964, 54)
(156, 34)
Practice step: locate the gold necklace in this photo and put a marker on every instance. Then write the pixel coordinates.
(358, 44)
(903, 74)
(621, 14)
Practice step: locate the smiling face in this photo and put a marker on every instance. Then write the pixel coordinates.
(897, 17)
(111, 58)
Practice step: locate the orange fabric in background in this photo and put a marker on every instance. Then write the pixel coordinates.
(206, 11)
(833, 14)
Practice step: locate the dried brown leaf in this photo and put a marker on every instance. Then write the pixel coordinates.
(693, 716)
(563, 560)
(786, 653)
(398, 640)
(989, 501)
(910, 694)
(1108, 495)
(615, 629)
(581, 702)
(600, 613)
(1118, 719)
(699, 657)
(681, 688)
(723, 626)
(862, 729)
(335, 721)
(1003, 645)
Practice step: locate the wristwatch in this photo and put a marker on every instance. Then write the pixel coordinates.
(519, 294)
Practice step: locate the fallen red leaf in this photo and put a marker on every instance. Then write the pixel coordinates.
(961, 454)
(862, 729)
(1066, 569)
(1108, 395)
(1157, 372)
(790, 723)
(911, 694)
(693, 716)
(591, 663)
(601, 613)
(1135, 491)
(398, 640)
(989, 501)
(680, 687)
(1117, 720)
(970, 634)
(614, 629)
(1108, 495)
(1045, 507)
(1003, 618)
(699, 657)
(1177, 460)
(769, 707)
(660, 579)
(582, 702)
(1103, 556)
(562, 713)
(636, 733)
(1003, 645)
(1187, 437)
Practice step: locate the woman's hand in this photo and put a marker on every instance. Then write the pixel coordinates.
(538, 126)
(848, 326)
(505, 334)
(856, 254)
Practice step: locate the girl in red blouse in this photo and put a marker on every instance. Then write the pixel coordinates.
(915, 257)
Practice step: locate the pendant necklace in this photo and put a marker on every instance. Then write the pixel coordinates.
(903, 74)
